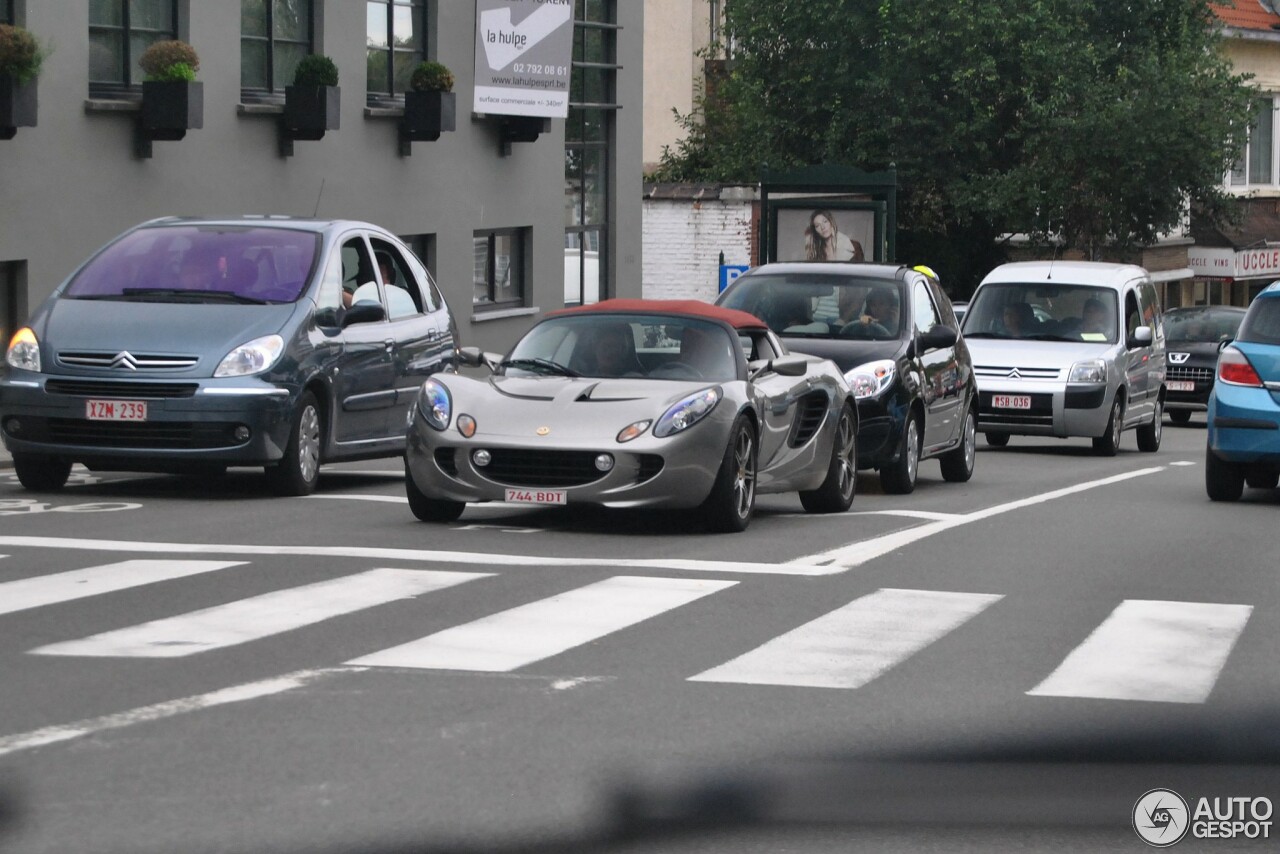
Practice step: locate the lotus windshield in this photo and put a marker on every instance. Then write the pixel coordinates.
(635, 346)
(1201, 325)
(804, 305)
(1041, 312)
(191, 263)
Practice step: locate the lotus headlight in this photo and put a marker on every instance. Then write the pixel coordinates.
(871, 379)
(1092, 371)
(687, 412)
(24, 350)
(250, 358)
(435, 404)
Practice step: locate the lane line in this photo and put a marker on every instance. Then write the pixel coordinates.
(856, 554)
(236, 694)
(1169, 652)
(528, 633)
(854, 644)
(260, 616)
(78, 583)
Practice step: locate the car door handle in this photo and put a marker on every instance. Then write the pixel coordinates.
(389, 344)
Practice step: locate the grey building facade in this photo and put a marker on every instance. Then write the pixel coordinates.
(498, 222)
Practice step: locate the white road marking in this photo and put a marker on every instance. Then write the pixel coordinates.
(236, 694)
(852, 645)
(78, 583)
(384, 499)
(529, 633)
(1183, 463)
(858, 553)
(1170, 652)
(260, 616)
(424, 555)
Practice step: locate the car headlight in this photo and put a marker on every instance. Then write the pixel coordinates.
(253, 357)
(435, 404)
(1092, 371)
(631, 431)
(24, 350)
(872, 378)
(687, 412)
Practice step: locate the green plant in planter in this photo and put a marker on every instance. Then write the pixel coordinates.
(431, 77)
(316, 70)
(169, 61)
(20, 54)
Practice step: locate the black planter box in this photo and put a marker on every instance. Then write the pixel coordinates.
(428, 114)
(309, 111)
(17, 105)
(523, 128)
(170, 108)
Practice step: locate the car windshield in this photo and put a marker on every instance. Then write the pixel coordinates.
(804, 305)
(1201, 325)
(1043, 312)
(1262, 324)
(201, 263)
(637, 346)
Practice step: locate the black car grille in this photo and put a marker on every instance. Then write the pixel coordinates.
(117, 389)
(1039, 415)
(446, 461)
(183, 435)
(514, 467)
(650, 465)
(810, 410)
(1182, 372)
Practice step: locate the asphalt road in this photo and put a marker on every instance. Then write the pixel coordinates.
(195, 666)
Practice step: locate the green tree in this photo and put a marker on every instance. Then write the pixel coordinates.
(1093, 122)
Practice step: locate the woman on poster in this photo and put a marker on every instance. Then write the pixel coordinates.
(824, 242)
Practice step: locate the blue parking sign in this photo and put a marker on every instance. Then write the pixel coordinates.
(729, 272)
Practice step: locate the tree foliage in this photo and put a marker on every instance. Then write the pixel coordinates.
(1092, 122)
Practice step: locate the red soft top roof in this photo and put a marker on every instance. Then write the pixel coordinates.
(688, 307)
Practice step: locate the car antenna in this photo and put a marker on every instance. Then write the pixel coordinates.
(1052, 257)
(316, 212)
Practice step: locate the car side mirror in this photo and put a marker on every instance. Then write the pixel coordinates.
(365, 311)
(789, 366)
(938, 337)
(1141, 337)
(474, 357)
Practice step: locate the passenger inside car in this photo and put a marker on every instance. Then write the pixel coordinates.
(707, 352)
(1019, 319)
(608, 351)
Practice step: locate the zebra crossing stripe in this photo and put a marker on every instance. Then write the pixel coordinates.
(529, 633)
(852, 645)
(1170, 652)
(260, 616)
(42, 590)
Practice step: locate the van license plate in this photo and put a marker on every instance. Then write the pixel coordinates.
(537, 496)
(115, 410)
(1011, 401)
(1180, 385)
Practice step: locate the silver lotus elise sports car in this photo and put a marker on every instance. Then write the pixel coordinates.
(636, 403)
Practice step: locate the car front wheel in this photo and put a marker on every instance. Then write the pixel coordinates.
(732, 500)
(1223, 481)
(835, 495)
(299, 469)
(899, 477)
(997, 440)
(429, 509)
(41, 474)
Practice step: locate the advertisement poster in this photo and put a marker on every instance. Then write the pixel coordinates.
(822, 234)
(523, 51)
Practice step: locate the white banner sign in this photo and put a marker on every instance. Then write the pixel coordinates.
(523, 52)
(1214, 263)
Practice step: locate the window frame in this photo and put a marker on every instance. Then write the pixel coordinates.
(270, 94)
(129, 88)
(390, 96)
(516, 266)
(1240, 177)
(9, 13)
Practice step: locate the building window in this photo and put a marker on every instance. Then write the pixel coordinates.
(499, 277)
(119, 31)
(1256, 165)
(395, 39)
(274, 37)
(593, 104)
(8, 14)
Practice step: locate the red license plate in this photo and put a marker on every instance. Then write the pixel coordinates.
(115, 410)
(1011, 401)
(537, 496)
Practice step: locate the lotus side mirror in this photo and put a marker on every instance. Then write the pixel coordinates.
(790, 366)
(474, 357)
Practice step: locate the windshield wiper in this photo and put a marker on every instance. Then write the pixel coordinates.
(546, 365)
(184, 295)
(986, 335)
(1050, 336)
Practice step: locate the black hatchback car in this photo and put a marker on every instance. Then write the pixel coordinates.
(892, 330)
(198, 344)
(1193, 338)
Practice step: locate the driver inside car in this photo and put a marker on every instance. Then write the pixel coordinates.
(881, 312)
